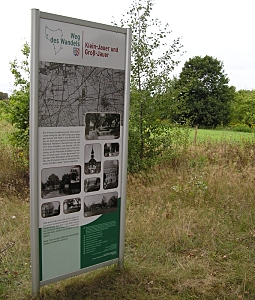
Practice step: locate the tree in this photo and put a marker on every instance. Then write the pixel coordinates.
(243, 107)
(3, 96)
(65, 181)
(52, 181)
(17, 107)
(204, 95)
(150, 74)
(103, 202)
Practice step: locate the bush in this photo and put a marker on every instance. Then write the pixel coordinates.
(242, 128)
(163, 141)
(16, 109)
(14, 171)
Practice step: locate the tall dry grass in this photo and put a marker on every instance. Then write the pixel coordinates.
(192, 222)
(14, 217)
(14, 170)
(14, 173)
(190, 234)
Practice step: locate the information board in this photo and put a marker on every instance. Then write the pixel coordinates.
(78, 145)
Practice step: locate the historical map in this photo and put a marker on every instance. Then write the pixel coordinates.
(67, 92)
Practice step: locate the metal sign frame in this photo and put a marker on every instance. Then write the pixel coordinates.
(35, 169)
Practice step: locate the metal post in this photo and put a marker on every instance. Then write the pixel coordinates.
(33, 150)
(125, 149)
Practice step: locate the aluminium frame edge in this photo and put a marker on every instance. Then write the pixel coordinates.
(33, 151)
(125, 149)
(74, 21)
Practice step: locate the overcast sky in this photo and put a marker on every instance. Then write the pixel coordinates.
(223, 29)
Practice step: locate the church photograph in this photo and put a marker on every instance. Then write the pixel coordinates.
(92, 159)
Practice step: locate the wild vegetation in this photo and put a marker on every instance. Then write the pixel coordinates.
(204, 95)
(160, 105)
(190, 198)
(189, 230)
(15, 109)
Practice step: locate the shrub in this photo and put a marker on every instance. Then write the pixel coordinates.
(163, 141)
(242, 128)
(16, 108)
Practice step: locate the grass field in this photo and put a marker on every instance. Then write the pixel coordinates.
(207, 135)
(190, 232)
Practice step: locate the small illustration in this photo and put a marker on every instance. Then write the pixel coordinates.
(91, 184)
(102, 126)
(100, 204)
(50, 209)
(111, 174)
(92, 158)
(111, 149)
(71, 205)
(76, 51)
(60, 181)
(54, 36)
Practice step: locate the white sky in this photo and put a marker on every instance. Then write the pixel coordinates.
(224, 29)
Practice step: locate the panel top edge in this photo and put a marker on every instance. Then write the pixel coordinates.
(64, 19)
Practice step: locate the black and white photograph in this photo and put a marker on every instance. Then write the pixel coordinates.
(92, 159)
(100, 204)
(71, 205)
(111, 149)
(102, 126)
(67, 92)
(50, 209)
(91, 184)
(111, 174)
(60, 181)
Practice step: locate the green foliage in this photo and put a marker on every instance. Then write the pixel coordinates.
(14, 173)
(3, 96)
(148, 71)
(243, 108)
(170, 106)
(162, 141)
(204, 95)
(16, 108)
(242, 128)
(149, 136)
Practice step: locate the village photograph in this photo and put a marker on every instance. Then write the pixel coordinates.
(111, 149)
(100, 204)
(91, 184)
(92, 159)
(111, 174)
(60, 181)
(50, 209)
(102, 126)
(71, 205)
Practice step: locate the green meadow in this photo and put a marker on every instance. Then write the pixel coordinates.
(221, 136)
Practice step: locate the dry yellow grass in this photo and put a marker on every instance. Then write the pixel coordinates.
(190, 234)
